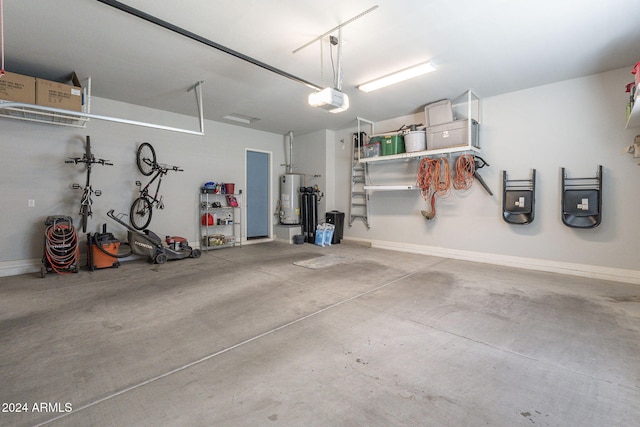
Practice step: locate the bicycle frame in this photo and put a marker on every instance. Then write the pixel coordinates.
(144, 192)
(86, 201)
(141, 210)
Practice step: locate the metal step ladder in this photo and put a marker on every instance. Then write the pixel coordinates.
(359, 196)
(359, 204)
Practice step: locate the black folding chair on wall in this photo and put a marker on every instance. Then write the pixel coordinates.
(582, 200)
(518, 199)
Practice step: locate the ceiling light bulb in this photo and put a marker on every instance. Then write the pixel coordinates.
(397, 77)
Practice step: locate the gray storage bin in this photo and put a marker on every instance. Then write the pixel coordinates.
(452, 134)
(438, 113)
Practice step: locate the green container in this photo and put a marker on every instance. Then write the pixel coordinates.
(391, 144)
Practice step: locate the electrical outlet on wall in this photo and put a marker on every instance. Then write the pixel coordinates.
(31, 203)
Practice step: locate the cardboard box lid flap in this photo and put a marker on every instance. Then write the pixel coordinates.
(73, 79)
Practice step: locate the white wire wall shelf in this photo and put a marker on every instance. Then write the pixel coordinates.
(79, 119)
(466, 109)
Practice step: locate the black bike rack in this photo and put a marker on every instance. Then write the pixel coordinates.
(582, 200)
(518, 199)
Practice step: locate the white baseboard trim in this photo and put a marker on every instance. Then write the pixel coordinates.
(582, 270)
(22, 266)
(14, 268)
(257, 241)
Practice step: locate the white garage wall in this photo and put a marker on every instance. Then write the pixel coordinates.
(33, 168)
(577, 124)
(313, 156)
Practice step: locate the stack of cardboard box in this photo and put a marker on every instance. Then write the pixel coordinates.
(31, 90)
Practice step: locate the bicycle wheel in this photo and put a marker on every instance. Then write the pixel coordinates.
(140, 214)
(84, 217)
(146, 158)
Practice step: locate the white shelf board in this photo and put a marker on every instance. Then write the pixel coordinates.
(391, 187)
(36, 113)
(417, 154)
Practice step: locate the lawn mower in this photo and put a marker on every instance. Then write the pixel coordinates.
(147, 243)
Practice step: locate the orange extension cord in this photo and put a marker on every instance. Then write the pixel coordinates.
(443, 173)
(61, 247)
(434, 179)
(465, 167)
(424, 180)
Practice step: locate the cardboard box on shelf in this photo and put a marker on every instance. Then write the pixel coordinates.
(17, 88)
(60, 95)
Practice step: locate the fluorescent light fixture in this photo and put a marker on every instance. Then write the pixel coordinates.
(399, 76)
(329, 99)
(241, 118)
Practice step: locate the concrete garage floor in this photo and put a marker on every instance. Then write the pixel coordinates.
(243, 337)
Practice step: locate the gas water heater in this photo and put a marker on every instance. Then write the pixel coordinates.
(290, 198)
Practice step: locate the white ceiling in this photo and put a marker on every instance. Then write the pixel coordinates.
(490, 46)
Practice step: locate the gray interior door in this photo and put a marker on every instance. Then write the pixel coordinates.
(257, 195)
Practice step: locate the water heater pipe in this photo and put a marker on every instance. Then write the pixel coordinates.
(290, 163)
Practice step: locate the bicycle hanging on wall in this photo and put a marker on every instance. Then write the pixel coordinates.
(142, 207)
(86, 201)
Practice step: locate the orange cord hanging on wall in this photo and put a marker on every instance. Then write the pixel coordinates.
(425, 181)
(443, 175)
(465, 168)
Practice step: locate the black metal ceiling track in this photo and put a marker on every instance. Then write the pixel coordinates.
(169, 26)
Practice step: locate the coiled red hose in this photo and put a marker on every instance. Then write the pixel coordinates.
(61, 247)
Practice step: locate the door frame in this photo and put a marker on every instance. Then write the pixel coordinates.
(270, 196)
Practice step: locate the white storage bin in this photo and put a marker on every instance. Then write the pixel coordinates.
(415, 141)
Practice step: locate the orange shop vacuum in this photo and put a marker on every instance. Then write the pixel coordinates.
(102, 250)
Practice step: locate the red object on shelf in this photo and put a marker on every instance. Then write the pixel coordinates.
(207, 219)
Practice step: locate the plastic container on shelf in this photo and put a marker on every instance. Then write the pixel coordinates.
(454, 134)
(371, 150)
(415, 141)
(392, 144)
(439, 112)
